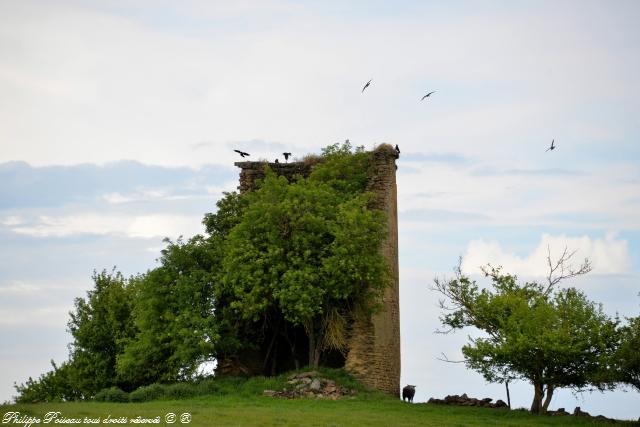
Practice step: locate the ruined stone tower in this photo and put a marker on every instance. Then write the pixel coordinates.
(373, 356)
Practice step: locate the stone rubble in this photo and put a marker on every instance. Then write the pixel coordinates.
(310, 385)
(465, 400)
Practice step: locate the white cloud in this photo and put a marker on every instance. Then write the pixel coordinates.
(10, 221)
(608, 255)
(165, 225)
(134, 226)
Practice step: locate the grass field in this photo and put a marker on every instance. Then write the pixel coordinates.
(237, 402)
(265, 411)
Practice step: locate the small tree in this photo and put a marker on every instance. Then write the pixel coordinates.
(553, 339)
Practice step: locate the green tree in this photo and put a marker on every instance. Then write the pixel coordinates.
(553, 339)
(179, 315)
(55, 385)
(173, 314)
(99, 325)
(627, 358)
(303, 250)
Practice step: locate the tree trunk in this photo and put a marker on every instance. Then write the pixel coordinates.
(292, 348)
(506, 384)
(313, 344)
(269, 356)
(538, 394)
(547, 401)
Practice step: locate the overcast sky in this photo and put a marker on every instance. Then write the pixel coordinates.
(118, 122)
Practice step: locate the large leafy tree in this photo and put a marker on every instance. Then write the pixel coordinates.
(99, 325)
(302, 250)
(551, 338)
(177, 326)
(627, 358)
(173, 316)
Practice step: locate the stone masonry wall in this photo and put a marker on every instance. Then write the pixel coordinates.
(373, 356)
(374, 350)
(251, 171)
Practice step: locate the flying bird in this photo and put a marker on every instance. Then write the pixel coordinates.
(427, 95)
(242, 153)
(366, 86)
(397, 149)
(286, 156)
(552, 146)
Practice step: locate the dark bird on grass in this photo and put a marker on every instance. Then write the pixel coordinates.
(427, 95)
(397, 149)
(366, 86)
(552, 146)
(277, 161)
(242, 153)
(286, 156)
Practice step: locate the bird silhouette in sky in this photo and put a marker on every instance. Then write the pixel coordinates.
(366, 86)
(427, 95)
(397, 149)
(286, 156)
(242, 153)
(552, 146)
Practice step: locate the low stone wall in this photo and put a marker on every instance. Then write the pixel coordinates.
(465, 400)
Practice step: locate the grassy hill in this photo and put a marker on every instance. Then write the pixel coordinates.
(237, 402)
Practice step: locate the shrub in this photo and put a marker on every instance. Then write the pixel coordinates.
(113, 394)
(180, 391)
(147, 393)
(208, 386)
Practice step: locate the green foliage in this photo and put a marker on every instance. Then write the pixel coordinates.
(180, 391)
(147, 393)
(173, 316)
(274, 262)
(112, 394)
(303, 250)
(99, 325)
(553, 340)
(627, 358)
(53, 386)
(343, 169)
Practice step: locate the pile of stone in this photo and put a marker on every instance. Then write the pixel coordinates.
(579, 413)
(310, 385)
(465, 400)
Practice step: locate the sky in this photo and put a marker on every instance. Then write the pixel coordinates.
(118, 122)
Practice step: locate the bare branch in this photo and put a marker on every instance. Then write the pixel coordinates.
(561, 269)
(446, 359)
